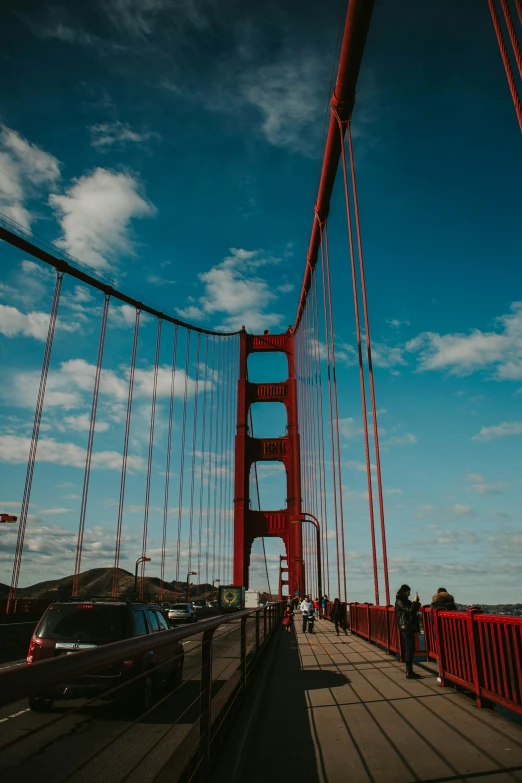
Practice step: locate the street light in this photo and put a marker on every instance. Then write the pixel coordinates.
(190, 573)
(315, 522)
(138, 561)
(213, 588)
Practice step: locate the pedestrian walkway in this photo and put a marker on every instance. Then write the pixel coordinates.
(336, 708)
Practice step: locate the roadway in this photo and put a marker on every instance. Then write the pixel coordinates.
(104, 738)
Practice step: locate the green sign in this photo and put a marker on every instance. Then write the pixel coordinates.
(231, 597)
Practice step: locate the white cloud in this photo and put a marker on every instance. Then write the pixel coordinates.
(235, 292)
(397, 322)
(393, 491)
(14, 323)
(479, 485)
(109, 134)
(70, 387)
(95, 215)
(348, 428)
(82, 423)
(460, 510)
(290, 96)
(51, 512)
(360, 466)
(15, 450)
(25, 170)
(462, 354)
(499, 431)
(400, 440)
(158, 280)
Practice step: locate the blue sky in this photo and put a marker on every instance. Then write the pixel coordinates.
(173, 145)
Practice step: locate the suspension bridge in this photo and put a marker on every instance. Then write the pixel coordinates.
(340, 704)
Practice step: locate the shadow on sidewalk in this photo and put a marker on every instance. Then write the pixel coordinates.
(280, 745)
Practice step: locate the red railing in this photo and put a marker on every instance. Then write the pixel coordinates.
(479, 652)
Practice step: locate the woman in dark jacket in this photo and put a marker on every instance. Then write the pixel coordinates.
(406, 614)
(338, 616)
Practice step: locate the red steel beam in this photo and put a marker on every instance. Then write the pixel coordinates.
(342, 102)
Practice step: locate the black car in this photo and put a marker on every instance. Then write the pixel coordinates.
(70, 626)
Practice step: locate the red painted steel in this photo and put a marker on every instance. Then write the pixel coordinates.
(250, 524)
(343, 99)
(479, 652)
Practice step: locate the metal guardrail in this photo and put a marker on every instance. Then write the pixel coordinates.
(215, 703)
(479, 652)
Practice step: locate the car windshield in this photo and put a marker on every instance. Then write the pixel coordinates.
(184, 607)
(83, 623)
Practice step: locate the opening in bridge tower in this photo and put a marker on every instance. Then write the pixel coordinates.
(248, 523)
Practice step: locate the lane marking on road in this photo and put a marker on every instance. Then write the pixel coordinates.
(14, 715)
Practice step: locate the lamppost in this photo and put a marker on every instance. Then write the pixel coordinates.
(190, 573)
(315, 522)
(214, 589)
(138, 561)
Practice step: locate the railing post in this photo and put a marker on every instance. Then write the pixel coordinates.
(388, 634)
(243, 653)
(257, 632)
(441, 652)
(205, 699)
(476, 658)
(264, 625)
(369, 621)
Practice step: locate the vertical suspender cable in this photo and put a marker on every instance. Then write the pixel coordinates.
(336, 406)
(210, 458)
(214, 518)
(194, 441)
(321, 455)
(370, 369)
(518, 4)
(125, 455)
(330, 404)
(182, 459)
(361, 367)
(505, 60)
(512, 34)
(149, 459)
(90, 441)
(202, 459)
(167, 467)
(34, 442)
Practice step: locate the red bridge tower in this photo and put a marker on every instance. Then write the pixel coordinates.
(250, 524)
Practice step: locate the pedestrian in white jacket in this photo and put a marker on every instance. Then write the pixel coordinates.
(307, 608)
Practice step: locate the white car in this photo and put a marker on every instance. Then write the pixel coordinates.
(182, 613)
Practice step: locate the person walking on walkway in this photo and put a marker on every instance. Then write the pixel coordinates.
(406, 615)
(287, 619)
(443, 600)
(316, 607)
(307, 608)
(337, 616)
(324, 604)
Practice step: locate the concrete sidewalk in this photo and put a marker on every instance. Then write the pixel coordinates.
(336, 708)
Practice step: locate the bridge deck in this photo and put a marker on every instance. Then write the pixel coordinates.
(338, 709)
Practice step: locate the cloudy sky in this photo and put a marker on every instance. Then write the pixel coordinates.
(173, 146)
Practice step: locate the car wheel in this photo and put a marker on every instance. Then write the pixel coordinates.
(37, 704)
(176, 677)
(148, 694)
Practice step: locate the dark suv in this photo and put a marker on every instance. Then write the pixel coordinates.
(71, 626)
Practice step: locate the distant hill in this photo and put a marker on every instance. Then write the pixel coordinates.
(98, 581)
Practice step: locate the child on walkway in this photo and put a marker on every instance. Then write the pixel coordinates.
(287, 620)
